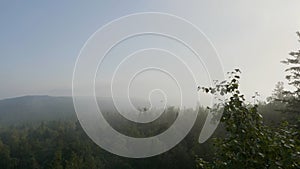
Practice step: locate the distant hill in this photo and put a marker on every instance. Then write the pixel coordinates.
(28, 109)
(37, 108)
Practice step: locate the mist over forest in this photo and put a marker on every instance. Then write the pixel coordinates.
(150, 84)
(43, 132)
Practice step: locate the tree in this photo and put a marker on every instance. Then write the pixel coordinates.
(248, 142)
(75, 162)
(57, 161)
(294, 80)
(278, 93)
(5, 160)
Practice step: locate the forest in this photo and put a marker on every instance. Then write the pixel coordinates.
(252, 135)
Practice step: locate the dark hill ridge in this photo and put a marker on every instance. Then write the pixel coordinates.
(35, 108)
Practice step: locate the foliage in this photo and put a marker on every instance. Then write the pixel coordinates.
(294, 80)
(278, 93)
(64, 145)
(249, 143)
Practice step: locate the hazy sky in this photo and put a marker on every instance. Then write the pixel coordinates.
(40, 41)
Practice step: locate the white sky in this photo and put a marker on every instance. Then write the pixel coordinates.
(40, 42)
